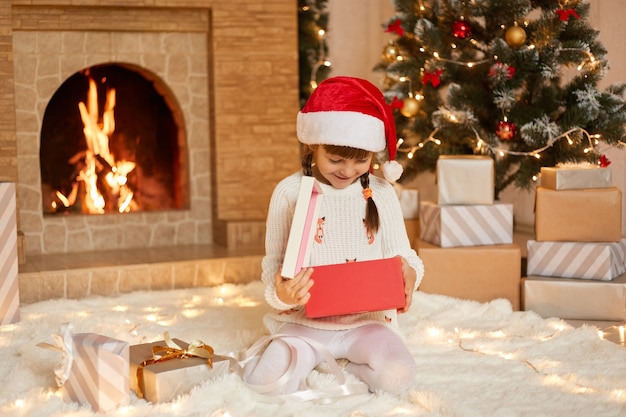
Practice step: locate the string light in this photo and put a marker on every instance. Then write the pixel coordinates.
(322, 61)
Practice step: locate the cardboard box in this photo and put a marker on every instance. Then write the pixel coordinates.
(465, 179)
(575, 177)
(98, 372)
(479, 273)
(586, 260)
(475, 225)
(356, 287)
(589, 215)
(302, 227)
(164, 381)
(9, 288)
(576, 299)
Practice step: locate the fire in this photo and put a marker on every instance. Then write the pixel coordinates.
(103, 179)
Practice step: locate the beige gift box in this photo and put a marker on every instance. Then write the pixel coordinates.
(589, 215)
(475, 225)
(576, 299)
(164, 381)
(465, 179)
(9, 289)
(586, 260)
(573, 178)
(479, 273)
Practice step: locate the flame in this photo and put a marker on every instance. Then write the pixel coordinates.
(100, 171)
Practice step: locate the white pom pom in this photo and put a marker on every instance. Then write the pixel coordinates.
(392, 170)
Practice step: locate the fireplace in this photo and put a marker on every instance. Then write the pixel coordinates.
(110, 143)
(229, 83)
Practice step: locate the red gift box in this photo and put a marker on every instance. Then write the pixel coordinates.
(356, 287)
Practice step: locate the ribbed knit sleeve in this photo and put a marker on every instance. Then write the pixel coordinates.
(280, 214)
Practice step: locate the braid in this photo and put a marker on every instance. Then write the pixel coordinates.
(372, 221)
(307, 162)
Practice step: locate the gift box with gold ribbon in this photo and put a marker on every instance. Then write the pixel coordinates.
(163, 370)
(93, 369)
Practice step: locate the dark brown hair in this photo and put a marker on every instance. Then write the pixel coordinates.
(371, 221)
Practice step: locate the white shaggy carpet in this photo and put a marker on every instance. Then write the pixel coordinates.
(474, 360)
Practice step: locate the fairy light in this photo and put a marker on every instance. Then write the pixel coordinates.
(322, 62)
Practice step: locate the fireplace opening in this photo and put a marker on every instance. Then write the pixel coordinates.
(112, 141)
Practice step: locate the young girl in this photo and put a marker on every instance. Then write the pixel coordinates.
(345, 121)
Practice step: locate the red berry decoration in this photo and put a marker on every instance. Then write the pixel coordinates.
(505, 130)
(461, 29)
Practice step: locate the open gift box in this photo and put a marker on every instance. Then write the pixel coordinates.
(379, 283)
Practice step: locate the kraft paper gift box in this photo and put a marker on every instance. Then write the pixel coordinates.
(589, 215)
(465, 179)
(575, 299)
(575, 177)
(586, 260)
(470, 225)
(93, 370)
(356, 287)
(165, 380)
(9, 288)
(479, 273)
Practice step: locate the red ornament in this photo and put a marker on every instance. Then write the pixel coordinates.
(505, 130)
(604, 161)
(395, 26)
(432, 77)
(564, 14)
(461, 29)
(396, 103)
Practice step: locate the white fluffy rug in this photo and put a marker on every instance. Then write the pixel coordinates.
(474, 359)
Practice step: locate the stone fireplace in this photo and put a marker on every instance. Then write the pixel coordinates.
(233, 77)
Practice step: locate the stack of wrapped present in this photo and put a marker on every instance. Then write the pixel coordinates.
(466, 238)
(577, 261)
(9, 289)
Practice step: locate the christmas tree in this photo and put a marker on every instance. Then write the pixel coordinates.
(513, 79)
(312, 48)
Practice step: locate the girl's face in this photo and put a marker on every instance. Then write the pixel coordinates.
(339, 171)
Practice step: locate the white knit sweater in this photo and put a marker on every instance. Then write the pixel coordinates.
(344, 239)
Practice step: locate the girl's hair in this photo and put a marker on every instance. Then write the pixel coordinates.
(372, 221)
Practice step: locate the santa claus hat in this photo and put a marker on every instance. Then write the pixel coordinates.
(348, 111)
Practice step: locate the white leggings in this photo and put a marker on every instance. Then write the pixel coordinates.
(376, 354)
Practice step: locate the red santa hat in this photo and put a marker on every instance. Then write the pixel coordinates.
(348, 111)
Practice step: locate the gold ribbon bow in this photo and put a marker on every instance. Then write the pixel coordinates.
(196, 349)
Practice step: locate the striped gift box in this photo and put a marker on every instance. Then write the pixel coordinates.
(9, 289)
(586, 260)
(469, 225)
(99, 372)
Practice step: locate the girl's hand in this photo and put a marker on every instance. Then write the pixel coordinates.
(296, 289)
(410, 276)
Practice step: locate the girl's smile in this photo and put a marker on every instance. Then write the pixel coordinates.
(338, 171)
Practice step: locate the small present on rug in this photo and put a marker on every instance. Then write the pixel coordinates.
(162, 370)
(575, 176)
(465, 179)
(93, 369)
(9, 289)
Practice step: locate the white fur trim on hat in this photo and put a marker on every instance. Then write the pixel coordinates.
(341, 128)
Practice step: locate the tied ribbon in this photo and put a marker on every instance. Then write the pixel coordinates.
(395, 27)
(63, 343)
(196, 349)
(564, 14)
(432, 77)
(367, 193)
(396, 103)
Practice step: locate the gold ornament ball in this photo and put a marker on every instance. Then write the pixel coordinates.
(390, 52)
(515, 36)
(410, 107)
